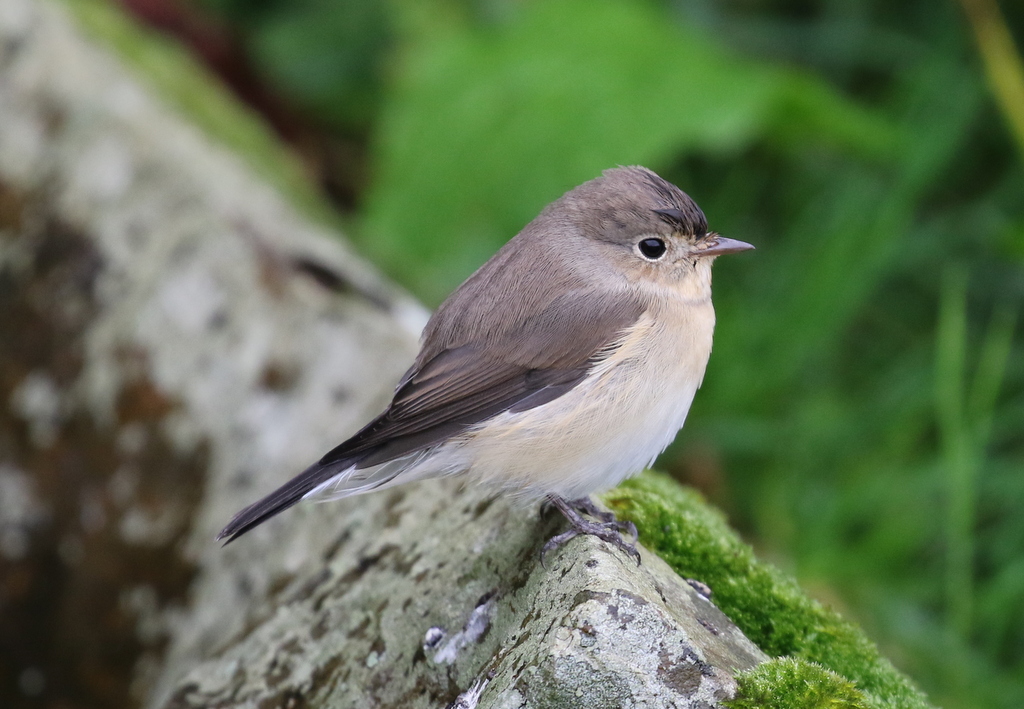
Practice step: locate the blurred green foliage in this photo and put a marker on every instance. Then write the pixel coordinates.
(484, 127)
(862, 420)
(324, 54)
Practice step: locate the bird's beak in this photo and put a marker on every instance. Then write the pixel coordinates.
(720, 245)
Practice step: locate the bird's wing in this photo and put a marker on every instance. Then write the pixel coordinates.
(542, 358)
(531, 362)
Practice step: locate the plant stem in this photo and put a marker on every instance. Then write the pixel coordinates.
(1003, 67)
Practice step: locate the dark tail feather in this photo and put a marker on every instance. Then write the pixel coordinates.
(282, 498)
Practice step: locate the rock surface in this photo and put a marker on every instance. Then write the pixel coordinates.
(433, 596)
(177, 340)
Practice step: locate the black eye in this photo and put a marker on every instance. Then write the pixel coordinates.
(652, 248)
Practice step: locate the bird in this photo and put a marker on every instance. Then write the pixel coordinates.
(564, 365)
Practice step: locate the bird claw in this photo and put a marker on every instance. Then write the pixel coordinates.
(587, 506)
(609, 529)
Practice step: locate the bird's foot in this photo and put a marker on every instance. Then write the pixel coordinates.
(608, 529)
(587, 506)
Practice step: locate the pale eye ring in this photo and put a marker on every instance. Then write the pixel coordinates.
(652, 248)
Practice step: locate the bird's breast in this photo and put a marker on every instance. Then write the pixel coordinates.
(613, 423)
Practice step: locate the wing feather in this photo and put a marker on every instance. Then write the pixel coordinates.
(465, 385)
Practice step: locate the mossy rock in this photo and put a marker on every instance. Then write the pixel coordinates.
(793, 683)
(829, 662)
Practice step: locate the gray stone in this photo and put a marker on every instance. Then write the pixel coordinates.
(433, 596)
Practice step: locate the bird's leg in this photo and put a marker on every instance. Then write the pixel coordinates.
(587, 506)
(609, 529)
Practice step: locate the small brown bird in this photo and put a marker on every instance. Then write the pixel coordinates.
(564, 365)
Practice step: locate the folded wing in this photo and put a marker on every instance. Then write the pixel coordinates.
(447, 391)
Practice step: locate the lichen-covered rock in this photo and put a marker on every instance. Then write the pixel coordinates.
(433, 596)
(173, 337)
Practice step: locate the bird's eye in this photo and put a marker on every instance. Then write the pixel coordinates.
(652, 248)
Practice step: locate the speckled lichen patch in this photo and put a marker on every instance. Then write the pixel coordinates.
(92, 508)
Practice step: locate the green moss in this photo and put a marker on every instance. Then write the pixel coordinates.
(767, 606)
(793, 683)
(188, 88)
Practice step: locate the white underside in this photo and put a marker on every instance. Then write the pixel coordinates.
(608, 428)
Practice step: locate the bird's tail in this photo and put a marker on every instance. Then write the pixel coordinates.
(325, 480)
(315, 476)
